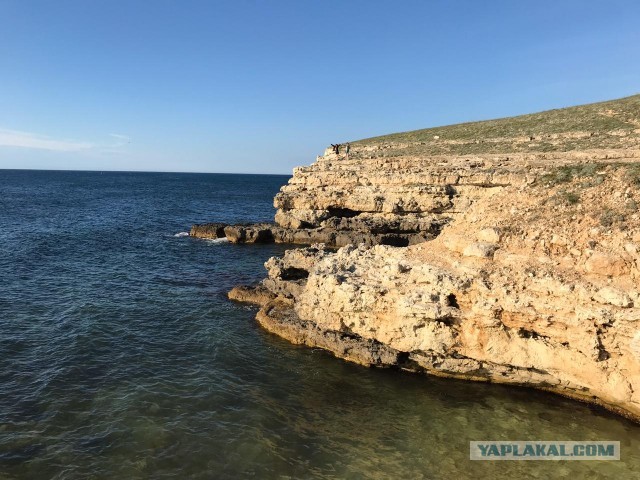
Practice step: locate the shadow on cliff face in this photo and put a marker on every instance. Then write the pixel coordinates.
(293, 273)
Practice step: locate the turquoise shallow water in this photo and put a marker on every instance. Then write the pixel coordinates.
(120, 356)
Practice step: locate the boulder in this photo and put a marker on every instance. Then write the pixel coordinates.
(480, 250)
(258, 233)
(614, 296)
(605, 264)
(208, 230)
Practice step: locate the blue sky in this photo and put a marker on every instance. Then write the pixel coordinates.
(263, 86)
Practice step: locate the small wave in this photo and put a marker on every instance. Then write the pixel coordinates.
(217, 240)
(182, 234)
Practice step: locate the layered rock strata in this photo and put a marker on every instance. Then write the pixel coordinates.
(505, 251)
(532, 280)
(335, 232)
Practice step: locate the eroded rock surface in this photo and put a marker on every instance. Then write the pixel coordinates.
(209, 231)
(525, 286)
(505, 251)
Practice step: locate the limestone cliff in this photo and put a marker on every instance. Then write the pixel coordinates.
(515, 259)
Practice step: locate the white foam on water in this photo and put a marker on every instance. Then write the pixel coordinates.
(182, 234)
(216, 240)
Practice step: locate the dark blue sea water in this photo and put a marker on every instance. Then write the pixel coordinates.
(120, 356)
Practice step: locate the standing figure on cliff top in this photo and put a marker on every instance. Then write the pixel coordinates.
(346, 149)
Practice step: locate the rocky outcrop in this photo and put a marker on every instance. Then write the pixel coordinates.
(472, 254)
(210, 231)
(527, 285)
(278, 317)
(257, 294)
(335, 234)
(256, 233)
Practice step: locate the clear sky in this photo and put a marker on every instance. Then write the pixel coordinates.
(263, 86)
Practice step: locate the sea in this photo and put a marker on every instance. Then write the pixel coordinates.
(122, 358)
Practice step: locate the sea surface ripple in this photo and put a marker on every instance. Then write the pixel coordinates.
(120, 356)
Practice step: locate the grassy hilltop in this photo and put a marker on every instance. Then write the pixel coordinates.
(606, 125)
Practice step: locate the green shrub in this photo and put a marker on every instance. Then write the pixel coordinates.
(567, 173)
(571, 198)
(633, 173)
(609, 218)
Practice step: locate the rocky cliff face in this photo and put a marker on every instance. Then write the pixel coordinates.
(520, 268)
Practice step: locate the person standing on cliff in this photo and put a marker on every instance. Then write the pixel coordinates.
(346, 149)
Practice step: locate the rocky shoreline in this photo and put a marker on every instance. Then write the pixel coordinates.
(518, 269)
(336, 233)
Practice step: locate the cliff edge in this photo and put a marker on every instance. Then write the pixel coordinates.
(504, 251)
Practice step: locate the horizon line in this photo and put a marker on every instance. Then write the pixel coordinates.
(137, 171)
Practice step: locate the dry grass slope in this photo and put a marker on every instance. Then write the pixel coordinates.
(611, 124)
